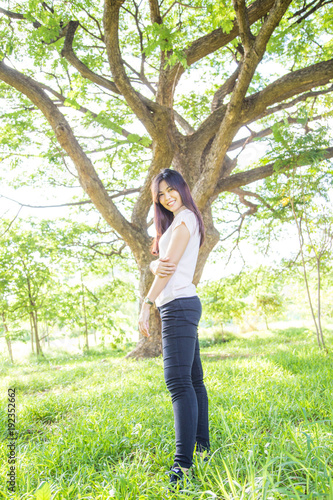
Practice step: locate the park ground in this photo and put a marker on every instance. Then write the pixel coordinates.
(100, 426)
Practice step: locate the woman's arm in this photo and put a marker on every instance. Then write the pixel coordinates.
(177, 245)
(161, 267)
(152, 265)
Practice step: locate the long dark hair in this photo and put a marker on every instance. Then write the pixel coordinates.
(162, 217)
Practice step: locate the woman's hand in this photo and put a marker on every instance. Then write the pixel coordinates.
(144, 320)
(162, 268)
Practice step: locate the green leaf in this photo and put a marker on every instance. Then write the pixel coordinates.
(43, 491)
(72, 103)
(145, 141)
(106, 122)
(133, 138)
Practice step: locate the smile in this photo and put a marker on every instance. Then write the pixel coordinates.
(171, 203)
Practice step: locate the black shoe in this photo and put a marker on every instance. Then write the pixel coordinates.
(178, 479)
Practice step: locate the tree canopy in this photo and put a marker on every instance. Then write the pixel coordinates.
(108, 95)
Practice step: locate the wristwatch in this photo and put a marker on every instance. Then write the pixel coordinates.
(148, 301)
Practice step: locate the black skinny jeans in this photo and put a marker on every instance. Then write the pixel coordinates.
(184, 376)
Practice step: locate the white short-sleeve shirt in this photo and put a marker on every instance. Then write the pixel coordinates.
(180, 283)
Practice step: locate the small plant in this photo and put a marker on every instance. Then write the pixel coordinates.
(43, 491)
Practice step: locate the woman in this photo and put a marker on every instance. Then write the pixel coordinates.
(179, 235)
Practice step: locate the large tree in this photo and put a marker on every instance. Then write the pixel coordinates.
(119, 72)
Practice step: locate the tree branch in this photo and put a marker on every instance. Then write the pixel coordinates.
(178, 118)
(11, 222)
(141, 77)
(208, 44)
(17, 15)
(205, 186)
(111, 28)
(176, 2)
(241, 194)
(88, 177)
(25, 205)
(225, 89)
(96, 21)
(71, 57)
(70, 204)
(82, 109)
(183, 123)
(290, 104)
(286, 87)
(256, 174)
(308, 13)
(243, 24)
(68, 53)
(155, 15)
(255, 106)
(242, 143)
(36, 24)
(162, 151)
(107, 254)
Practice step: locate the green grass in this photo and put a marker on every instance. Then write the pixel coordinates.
(100, 426)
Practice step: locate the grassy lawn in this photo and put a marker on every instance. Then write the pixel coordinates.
(98, 426)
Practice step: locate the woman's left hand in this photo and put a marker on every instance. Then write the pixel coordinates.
(144, 320)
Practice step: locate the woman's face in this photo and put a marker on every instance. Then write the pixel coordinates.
(169, 197)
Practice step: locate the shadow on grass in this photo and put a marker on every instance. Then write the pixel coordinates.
(213, 356)
(218, 338)
(292, 332)
(304, 361)
(302, 353)
(60, 357)
(85, 355)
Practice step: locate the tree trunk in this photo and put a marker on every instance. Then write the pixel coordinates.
(85, 319)
(149, 347)
(44, 335)
(32, 334)
(7, 337)
(34, 316)
(9, 347)
(319, 305)
(300, 239)
(47, 335)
